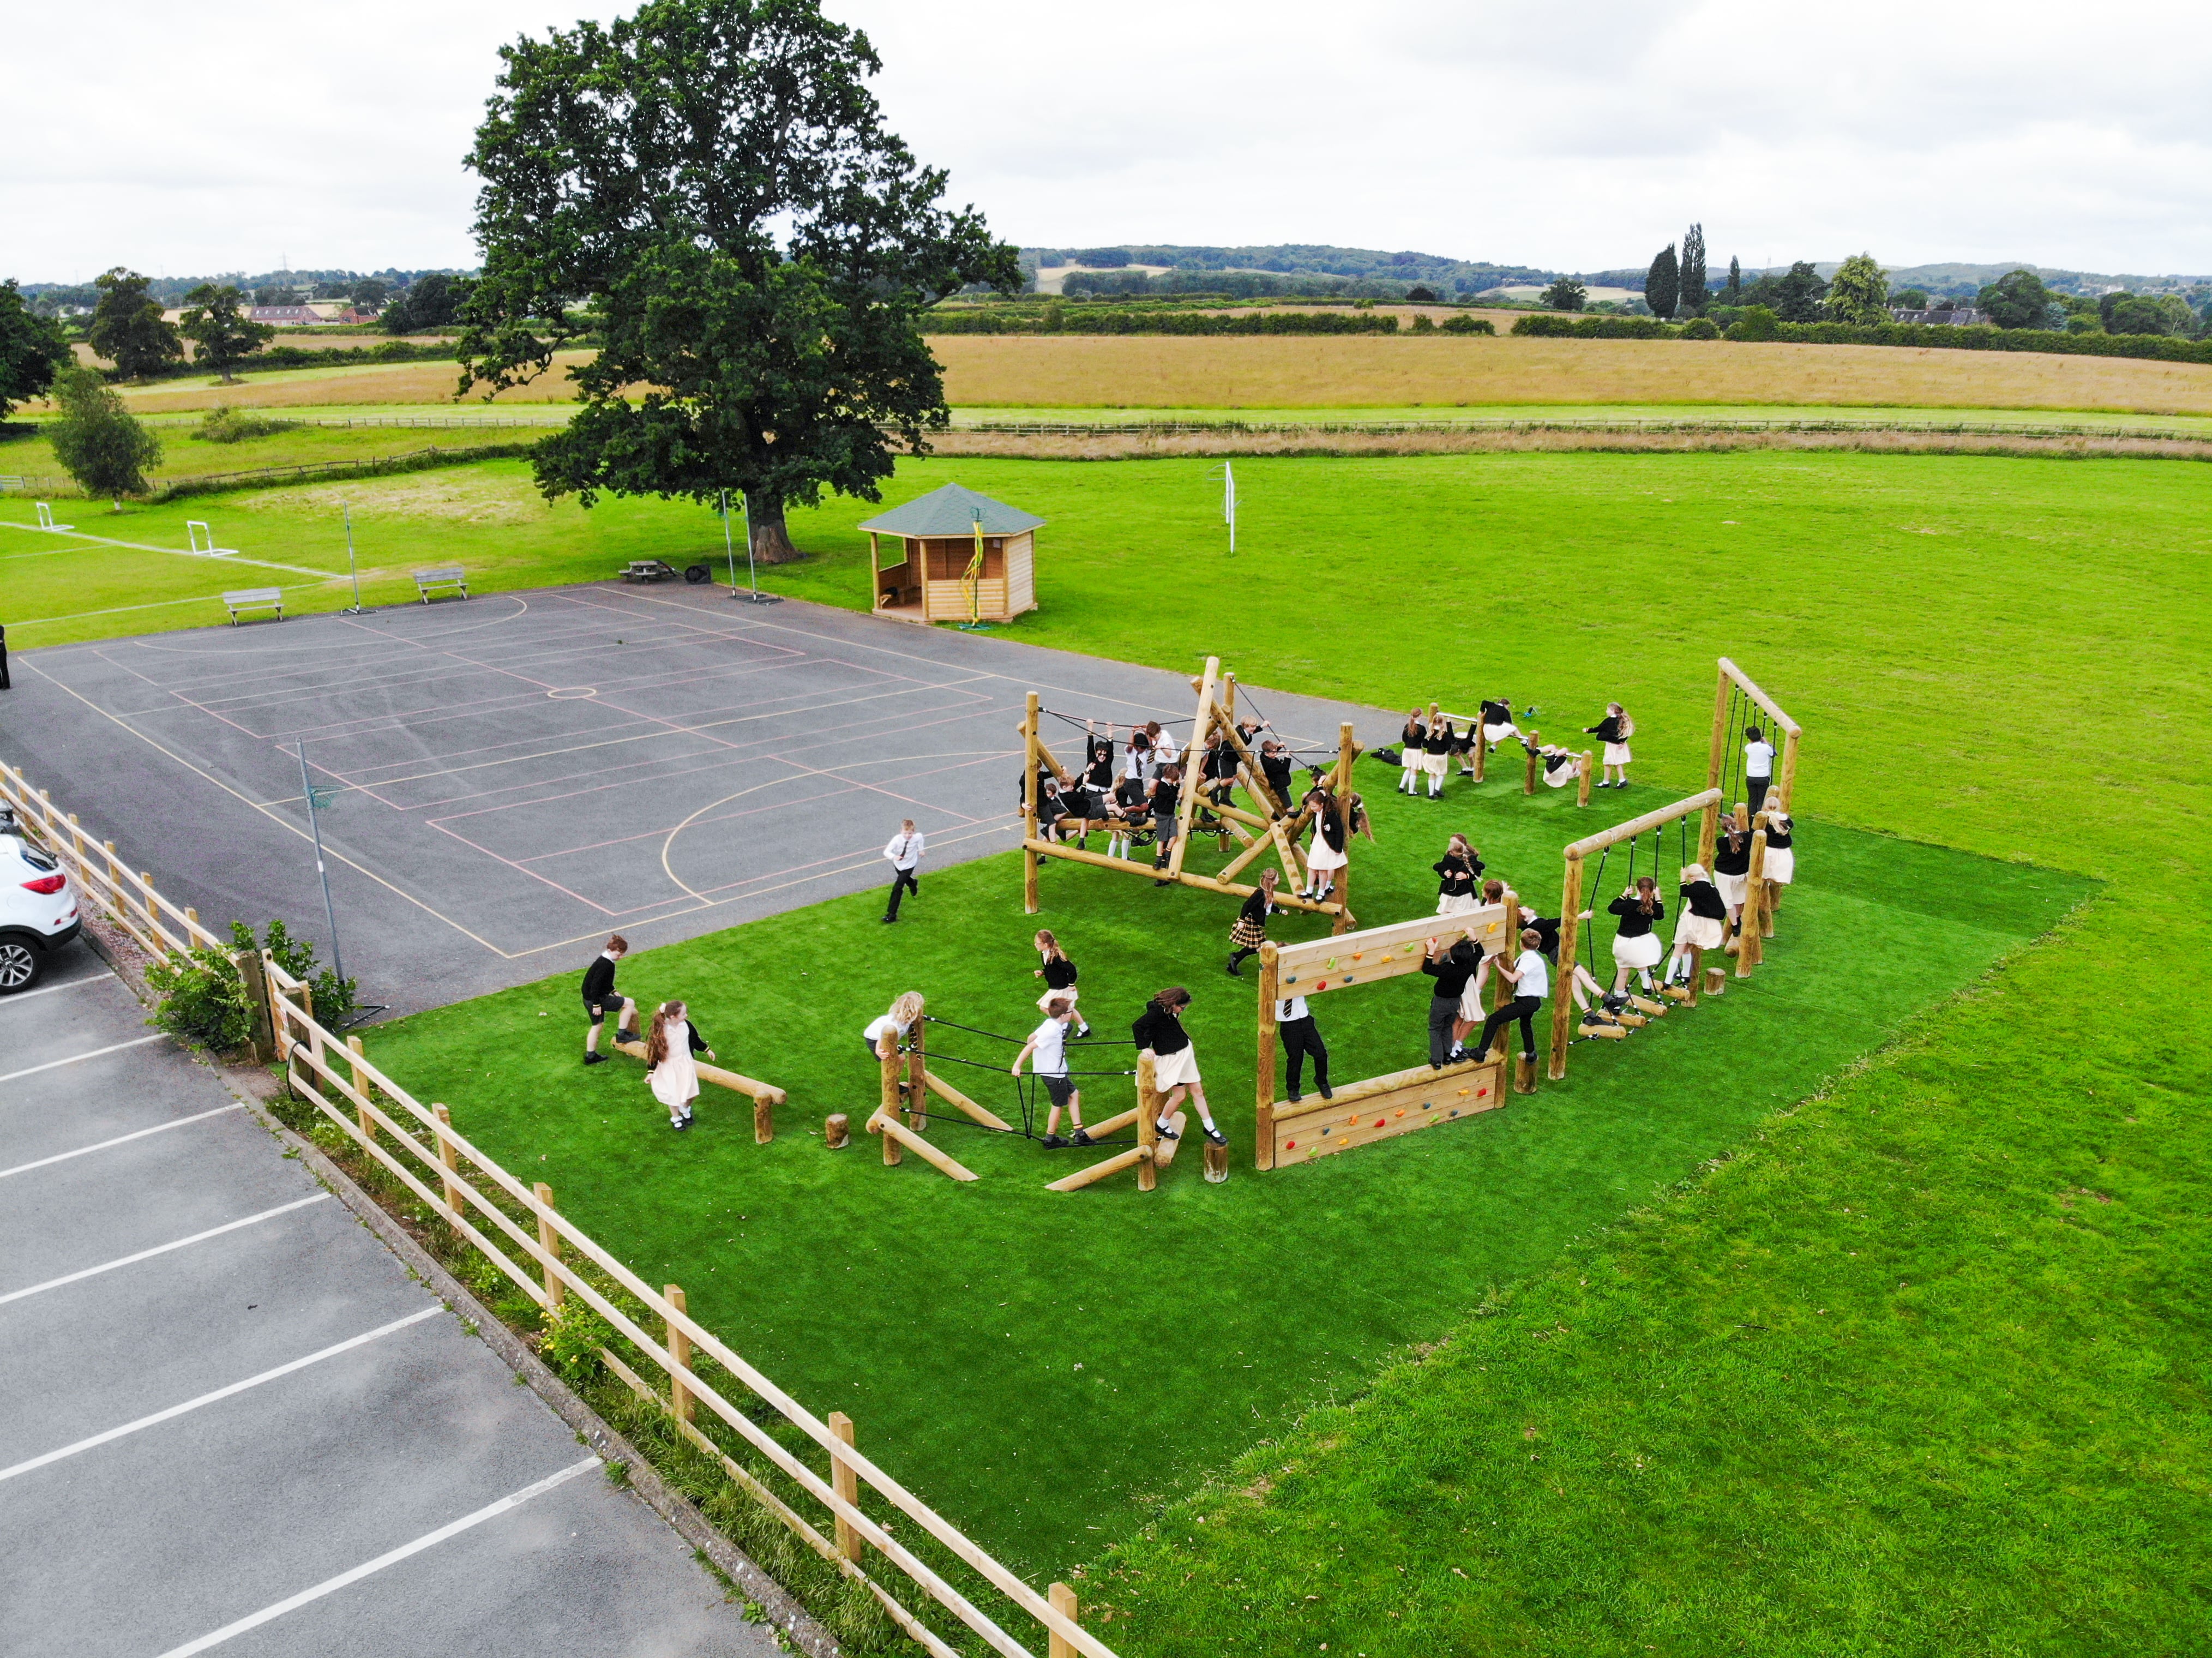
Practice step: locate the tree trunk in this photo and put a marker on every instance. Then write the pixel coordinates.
(771, 539)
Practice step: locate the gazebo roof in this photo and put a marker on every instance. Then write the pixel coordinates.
(952, 511)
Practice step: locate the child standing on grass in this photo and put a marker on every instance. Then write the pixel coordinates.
(669, 1069)
(1048, 1042)
(1158, 1032)
(1703, 924)
(1251, 929)
(1437, 751)
(1413, 750)
(1058, 976)
(1613, 731)
(600, 995)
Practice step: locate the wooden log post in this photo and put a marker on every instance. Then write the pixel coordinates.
(1482, 748)
(549, 1240)
(1524, 1074)
(1063, 1600)
(321, 1060)
(1697, 975)
(845, 1481)
(1536, 764)
(836, 1131)
(254, 975)
(1030, 807)
(1500, 991)
(449, 1155)
(1751, 948)
(1148, 1119)
(1787, 783)
(355, 1054)
(1716, 981)
(917, 1091)
(1217, 1163)
(1583, 779)
(1187, 798)
(680, 1400)
(1271, 992)
(763, 1122)
(1346, 751)
(887, 1056)
(1571, 920)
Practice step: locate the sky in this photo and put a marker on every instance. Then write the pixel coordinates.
(260, 137)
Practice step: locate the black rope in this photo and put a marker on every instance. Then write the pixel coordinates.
(1077, 720)
(1597, 897)
(949, 1024)
(987, 1065)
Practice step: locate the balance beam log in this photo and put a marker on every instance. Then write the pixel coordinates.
(1612, 1033)
(945, 1091)
(1632, 1020)
(1674, 993)
(1646, 1006)
(836, 1131)
(1163, 1149)
(1115, 1125)
(898, 1134)
(767, 1093)
(1217, 1163)
(1099, 1171)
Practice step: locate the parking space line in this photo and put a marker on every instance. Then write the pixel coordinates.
(369, 1568)
(48, 990)
(161, 1249)
(120, 1140)
(99, 1439)
(112, 1048)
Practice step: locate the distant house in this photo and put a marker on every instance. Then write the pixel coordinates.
(286, 316)
(1964, 317)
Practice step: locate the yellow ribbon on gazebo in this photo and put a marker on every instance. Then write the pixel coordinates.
(968, 582)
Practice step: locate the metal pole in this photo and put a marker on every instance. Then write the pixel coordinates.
(727, 548)
(352, 569)
(315, 829)
(752, 573)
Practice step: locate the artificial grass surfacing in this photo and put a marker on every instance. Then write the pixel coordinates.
(1044, 1367)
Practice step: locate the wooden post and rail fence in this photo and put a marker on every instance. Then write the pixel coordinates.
(560, 1267)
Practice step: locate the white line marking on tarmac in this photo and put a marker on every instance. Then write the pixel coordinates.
(112, 1048)
(161, 1249)
(369, 1568)
(86, 1151)
(48, 990)
(175, 1411)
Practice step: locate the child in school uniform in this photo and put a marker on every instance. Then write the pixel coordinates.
(1497, 717)
(1164, 752)
(1635, 946)
(1127, 812)
(1048, 1042)
(1166, 800)
(895, 1026)
(1781, 865)
(1703, 924)
(601, 998)
(1732, 873)
(1137, 759)
(1053, 820)
(1058, 976)
(1613, 731)
(1294, 1024)
(1758, 765)
(1436, 751)
(1158, 1032)
(1530, 976)
(1250, 930)
(1327, 854)
(1457, 872)
(1561, 766)
(669, 1069)
(1412, 752)
(1277, 767)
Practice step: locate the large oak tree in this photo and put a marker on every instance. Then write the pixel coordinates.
(128, 329)
(712, 181)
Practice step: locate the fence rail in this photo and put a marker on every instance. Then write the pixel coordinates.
(1597, 423)
(517, 1229)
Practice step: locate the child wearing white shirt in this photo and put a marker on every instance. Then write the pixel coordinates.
(903, 850)
(1758, 765)
(1048, 1042)
(1531, 979)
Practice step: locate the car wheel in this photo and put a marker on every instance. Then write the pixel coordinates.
(21, 964)
(696, 574)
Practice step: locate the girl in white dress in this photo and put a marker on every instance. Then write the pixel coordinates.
(669, 1069)
(1614, 730)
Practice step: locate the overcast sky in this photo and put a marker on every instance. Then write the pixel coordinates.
(253, 135)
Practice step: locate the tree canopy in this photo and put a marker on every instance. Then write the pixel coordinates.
(1565, 293)
(32, 349)
(714, 180)
(1859, 291)
(1691, 292)
(127, 328)
(1662, 284)
(2016, 300)
(216, 322)
(1797, 295)
(96, 439)
(432, 299)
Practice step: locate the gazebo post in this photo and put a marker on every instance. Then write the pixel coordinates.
(875, 577)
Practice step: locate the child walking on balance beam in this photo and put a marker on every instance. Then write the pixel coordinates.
(599, 995)
(1158, 1032)
(1251, 929)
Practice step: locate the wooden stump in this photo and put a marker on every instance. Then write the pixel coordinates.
(1716, 981)
(763, 1122)
(836, 1131)
(1524, 1074)
(1217, 1163)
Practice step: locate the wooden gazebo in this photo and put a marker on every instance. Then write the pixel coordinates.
(925, 575)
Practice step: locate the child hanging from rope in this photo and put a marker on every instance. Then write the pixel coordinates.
(1294, 1024)
(1613, 731)
(1436, 750)
(1058, 976)
(1251, 929)
(1158, 1032)
(1412, 752)
(1457, 872)
(1635, 946)
(1530, 976)
(1702, 925)
(1048, 1042)
(669, 1069)
(1732, 876)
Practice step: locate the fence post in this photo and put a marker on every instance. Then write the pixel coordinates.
(1063, 1602)
(679, 1349)
(360, 1084)
(254, 976)
(450, 1158)
(845, 1480)
(549, 1240)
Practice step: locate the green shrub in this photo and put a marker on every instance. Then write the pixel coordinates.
(204, 1002)
(1757, 323)
(1596, 328)
(1423, 324)
(228, 423)
(335, 998)
(1467, 325)
(570, 1347)
(1700, 328)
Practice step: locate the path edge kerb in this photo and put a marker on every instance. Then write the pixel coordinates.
(784, 1611)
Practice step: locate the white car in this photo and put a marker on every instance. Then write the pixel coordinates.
(38, 908)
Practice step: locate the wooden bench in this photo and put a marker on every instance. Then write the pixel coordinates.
(647, 569)
(254, 598)
(456, 578)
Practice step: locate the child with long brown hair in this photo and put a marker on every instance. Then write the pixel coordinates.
(669, 1069)
(1158, 1032)
(1058, 974)
(1613, 731)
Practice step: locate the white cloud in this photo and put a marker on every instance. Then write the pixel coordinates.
(251, 132)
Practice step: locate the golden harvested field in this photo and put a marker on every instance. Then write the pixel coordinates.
(380, 383)
(1156, 370)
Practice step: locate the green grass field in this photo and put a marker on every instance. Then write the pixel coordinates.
(1969, 1414)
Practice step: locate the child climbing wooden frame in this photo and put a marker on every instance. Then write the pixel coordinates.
(1216, 711)
(1570, 909)
(1480, 750)
(1733, 684)
(907, 1085)
(1377, 1107)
